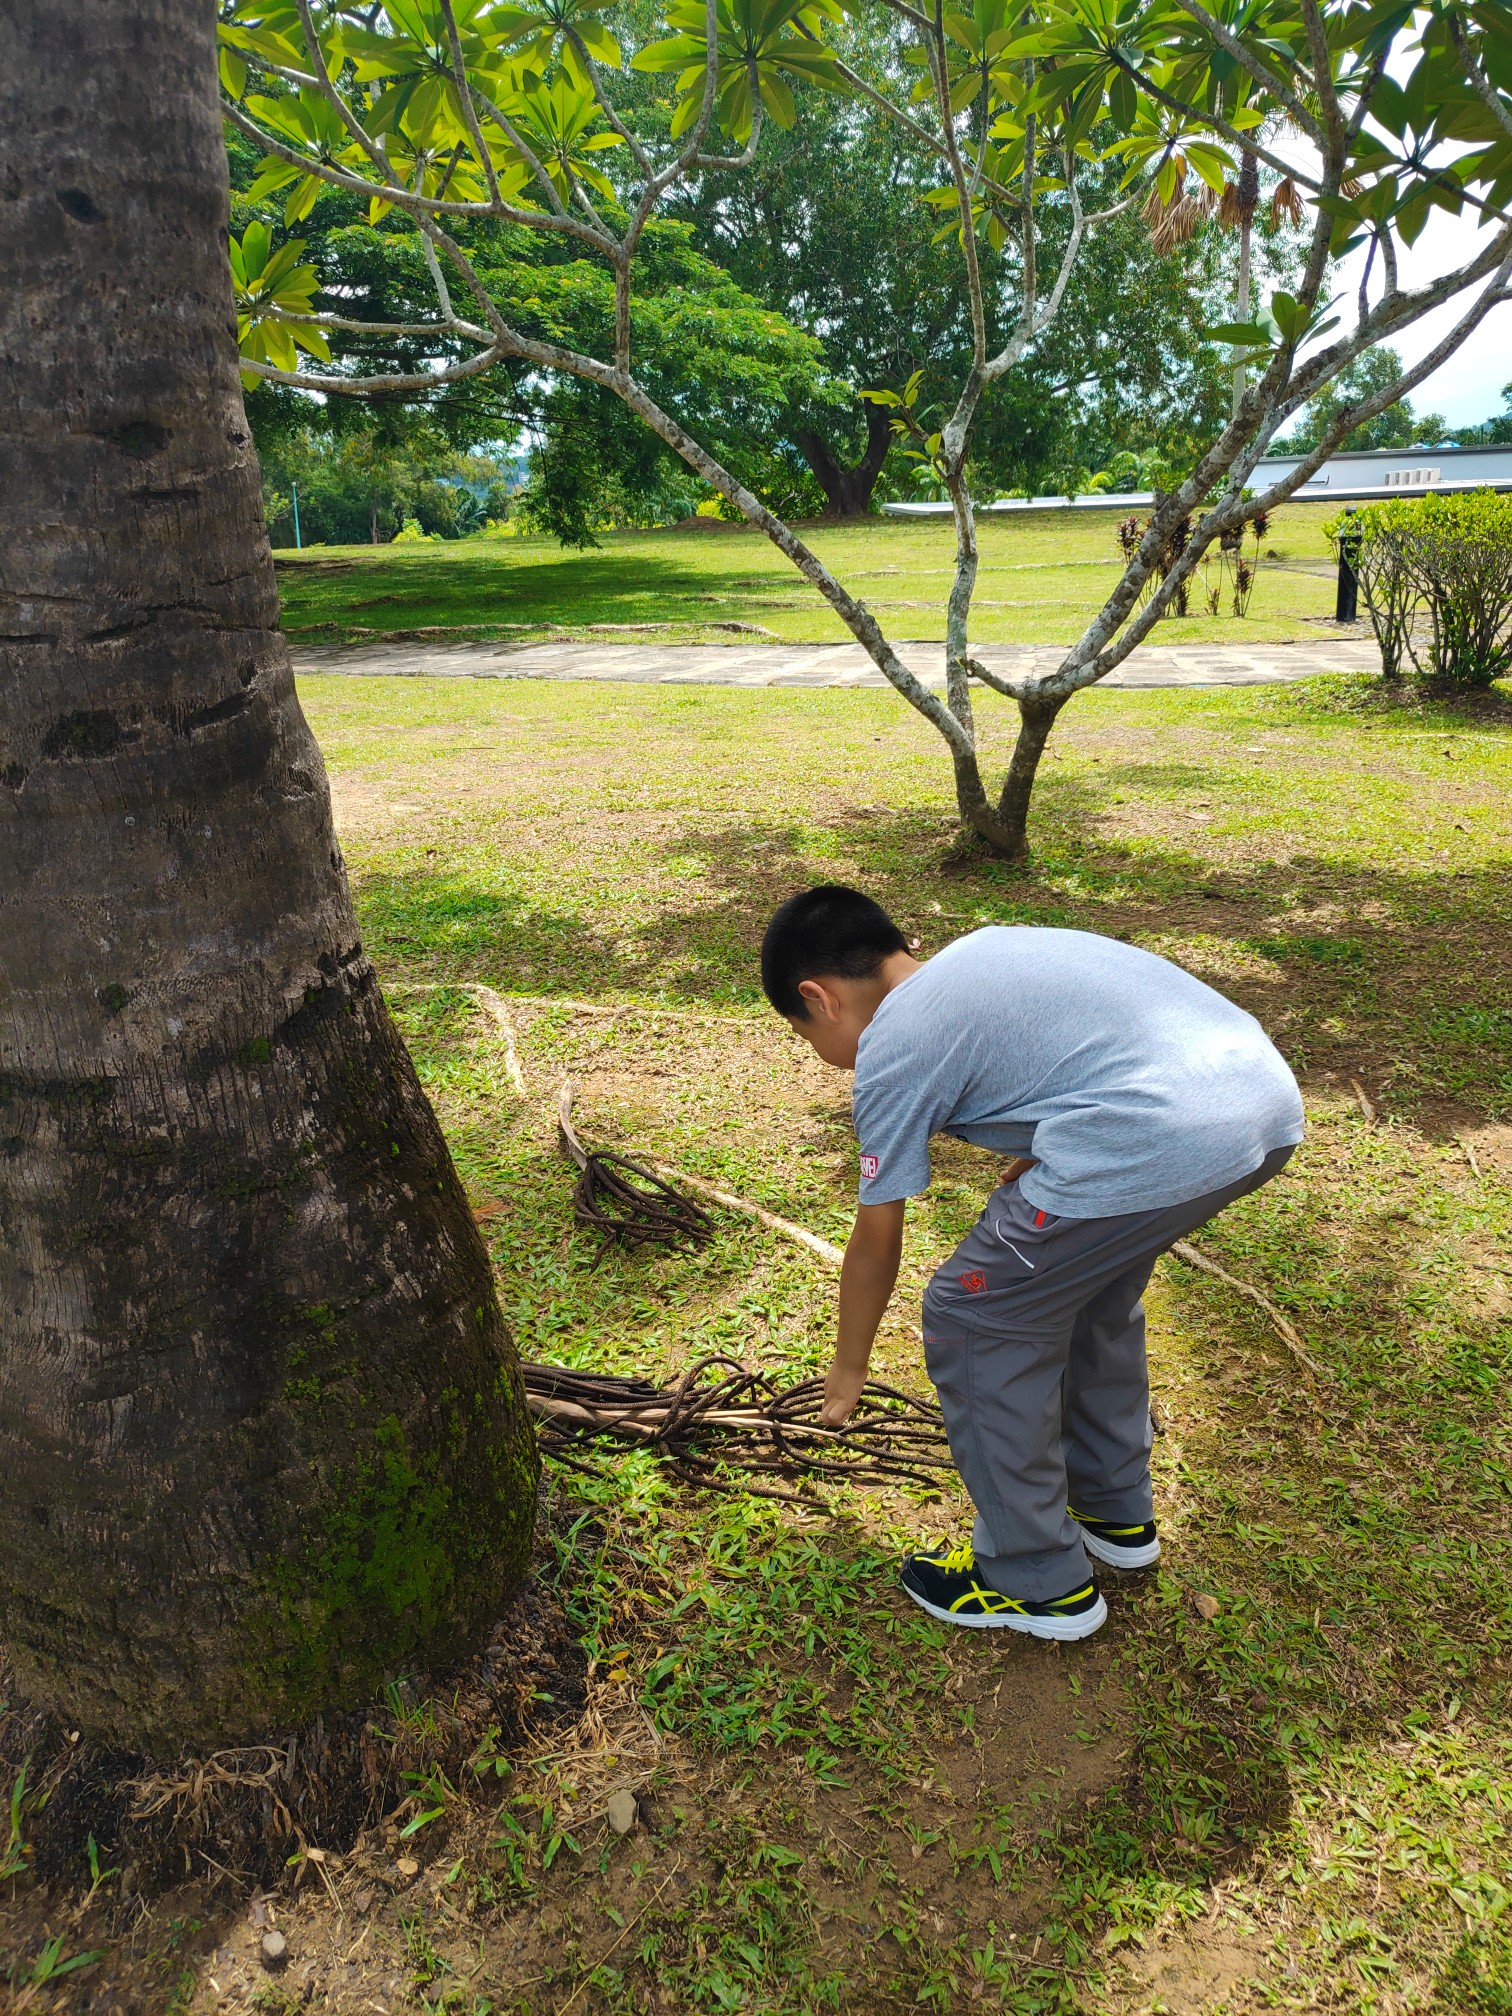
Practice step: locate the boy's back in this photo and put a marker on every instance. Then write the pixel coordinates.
(1133, 1085)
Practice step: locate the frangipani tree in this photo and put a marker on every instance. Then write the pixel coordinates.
(471, 118)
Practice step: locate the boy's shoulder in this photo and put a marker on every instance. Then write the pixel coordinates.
(994, 947)
(966, 975)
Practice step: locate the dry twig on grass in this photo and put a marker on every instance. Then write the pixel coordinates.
(623, 1201)
(741, 1421)
(825, 1248)
(498, 1008)
(1283, 1329)
(491, 1001)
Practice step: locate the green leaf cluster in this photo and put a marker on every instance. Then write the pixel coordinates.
(400, 81)
(269, 282)
(762, 48)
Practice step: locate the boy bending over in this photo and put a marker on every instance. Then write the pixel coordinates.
(1136, 1103)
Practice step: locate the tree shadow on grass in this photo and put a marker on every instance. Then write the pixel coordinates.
(479, 588)
(1394, 976)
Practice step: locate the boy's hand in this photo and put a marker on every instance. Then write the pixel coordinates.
(842, 1389)
(1011, 1171)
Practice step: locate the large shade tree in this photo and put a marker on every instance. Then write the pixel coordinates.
(830, 225)
(1372, 118)
(262, 1440)
(700, 335)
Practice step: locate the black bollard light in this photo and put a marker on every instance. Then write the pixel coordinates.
(1347, 540)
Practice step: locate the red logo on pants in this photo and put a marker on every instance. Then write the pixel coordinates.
(974, 1283)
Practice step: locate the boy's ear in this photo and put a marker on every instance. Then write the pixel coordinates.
(819, 999)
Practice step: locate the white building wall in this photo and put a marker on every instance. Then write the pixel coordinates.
(1392, 469)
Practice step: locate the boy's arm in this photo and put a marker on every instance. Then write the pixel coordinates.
(867, 1280)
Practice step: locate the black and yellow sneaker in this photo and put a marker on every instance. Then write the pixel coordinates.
(946, 1584)
(1119, 1546)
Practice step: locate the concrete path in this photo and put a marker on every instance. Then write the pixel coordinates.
(821, 664)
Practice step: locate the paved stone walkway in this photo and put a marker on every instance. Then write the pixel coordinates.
(821, 664)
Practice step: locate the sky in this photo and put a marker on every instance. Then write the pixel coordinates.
(1469, 387)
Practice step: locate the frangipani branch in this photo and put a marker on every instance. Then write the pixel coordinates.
(1324, 87)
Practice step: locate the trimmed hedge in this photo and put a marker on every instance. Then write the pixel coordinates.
(1435, 575)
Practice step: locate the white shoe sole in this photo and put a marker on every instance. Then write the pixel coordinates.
(1121, 1557)
(1060, 1628)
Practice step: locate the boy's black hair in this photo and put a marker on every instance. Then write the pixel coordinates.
(828, 931)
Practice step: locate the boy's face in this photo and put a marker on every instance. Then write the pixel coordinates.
(838, 1012)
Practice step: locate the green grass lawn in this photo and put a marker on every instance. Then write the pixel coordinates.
(1298, 1799)
(1302, 1802)
(1043, 575)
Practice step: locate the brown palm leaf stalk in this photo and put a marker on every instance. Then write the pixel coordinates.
(719, 1417)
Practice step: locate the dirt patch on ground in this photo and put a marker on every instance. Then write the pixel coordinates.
(475, 1910)
(1206, 1971)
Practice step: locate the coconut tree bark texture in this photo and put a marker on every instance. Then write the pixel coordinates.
(262, 1436)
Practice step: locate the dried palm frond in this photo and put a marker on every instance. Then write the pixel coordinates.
(1172, 224)
(1231, 208)
(721, 1417)
(1286, 201)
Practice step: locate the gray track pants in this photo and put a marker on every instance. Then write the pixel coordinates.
(1034, 1337)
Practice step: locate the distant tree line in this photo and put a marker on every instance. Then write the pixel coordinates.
(1396, 426)
(788, 294)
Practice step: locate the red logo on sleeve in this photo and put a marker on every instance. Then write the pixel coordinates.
(975, 1283)
(869, 1168)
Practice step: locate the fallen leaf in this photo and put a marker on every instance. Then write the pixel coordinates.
(1207, 1606)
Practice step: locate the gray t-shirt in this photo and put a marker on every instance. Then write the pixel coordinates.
(1133, 1085)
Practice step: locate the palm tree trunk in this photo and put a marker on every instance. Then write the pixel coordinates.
(262, 1438)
